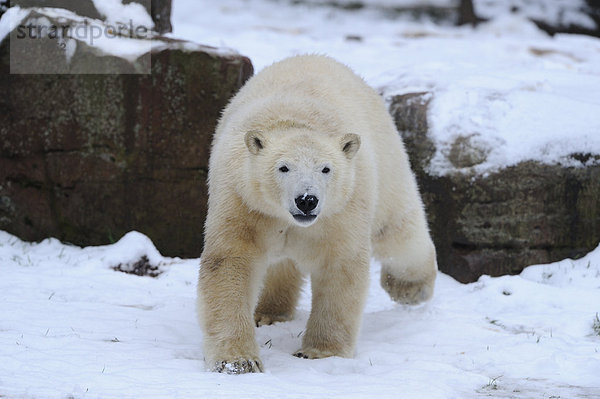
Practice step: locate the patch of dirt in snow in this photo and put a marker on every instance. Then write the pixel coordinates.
(142, 267)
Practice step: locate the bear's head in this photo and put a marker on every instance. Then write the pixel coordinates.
(299, 174)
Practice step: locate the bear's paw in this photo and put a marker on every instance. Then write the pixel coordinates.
(407, 292)
(240, 366)
(266, 319)
(313, 353)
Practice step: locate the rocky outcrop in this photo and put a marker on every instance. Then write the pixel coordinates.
(444, 12)
(566, 17)
(498, 223)
(576, 17)
(88, 157)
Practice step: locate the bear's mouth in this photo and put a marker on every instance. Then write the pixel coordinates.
(304, 219)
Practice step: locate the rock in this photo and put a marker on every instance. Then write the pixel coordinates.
(466, 13)
(141, 267)
(410, 113)
(501, 222)
(86, 158)
(161, 15)
(465, 152)
(160, 10)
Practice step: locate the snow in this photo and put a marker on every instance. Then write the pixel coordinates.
(10, 20)
(115, 12)
(517, 92)
(72, 326)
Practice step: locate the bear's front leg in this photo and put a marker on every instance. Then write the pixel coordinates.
(408, 270)
(339, 290)
(225, 302)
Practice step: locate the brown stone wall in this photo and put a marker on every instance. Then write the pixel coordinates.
(87, 158)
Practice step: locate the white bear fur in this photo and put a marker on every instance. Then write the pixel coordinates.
(306, 113)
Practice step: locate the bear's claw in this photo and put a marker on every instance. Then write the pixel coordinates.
(264, 319)
(313, 353)
(238, 367)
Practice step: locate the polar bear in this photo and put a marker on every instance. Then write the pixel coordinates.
(307, 176)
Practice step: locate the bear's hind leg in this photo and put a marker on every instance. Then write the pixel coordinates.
(408, 264)
(280, 294)
(339, 290)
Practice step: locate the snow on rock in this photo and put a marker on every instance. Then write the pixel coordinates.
(541, 103)
(133, 253)
(554, 12)
(10, 20)
(73, 327)
(132, 13)
(583, 272)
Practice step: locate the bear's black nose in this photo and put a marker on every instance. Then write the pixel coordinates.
(306, 203)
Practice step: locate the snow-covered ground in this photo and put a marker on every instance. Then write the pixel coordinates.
(515, 92)
(72, 327)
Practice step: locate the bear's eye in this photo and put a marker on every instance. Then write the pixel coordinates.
(326, 170)
(284, 169)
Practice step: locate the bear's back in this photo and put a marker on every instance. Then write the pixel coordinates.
(321, 80)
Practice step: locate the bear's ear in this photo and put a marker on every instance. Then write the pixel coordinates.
(350, 144)
(254, 141)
